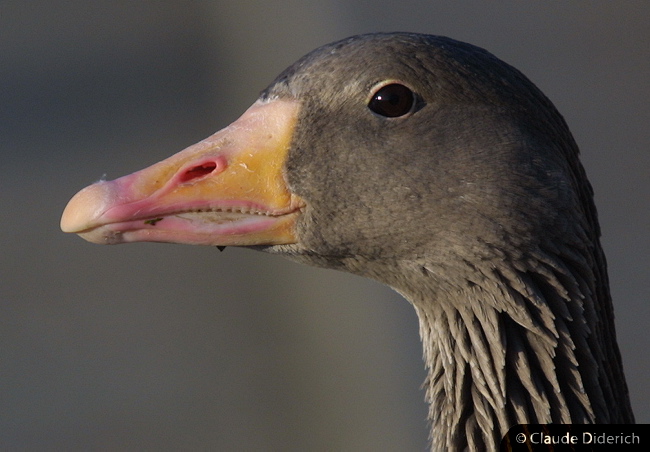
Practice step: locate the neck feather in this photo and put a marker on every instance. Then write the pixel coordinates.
(531, 342)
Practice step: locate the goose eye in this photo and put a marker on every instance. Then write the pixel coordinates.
(392, 101)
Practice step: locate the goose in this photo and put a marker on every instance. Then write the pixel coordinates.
(429, 165)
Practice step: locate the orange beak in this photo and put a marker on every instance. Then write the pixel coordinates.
(228, 189)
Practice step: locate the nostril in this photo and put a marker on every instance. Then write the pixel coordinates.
(198, 171)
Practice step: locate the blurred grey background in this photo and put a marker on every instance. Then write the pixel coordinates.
(166, 347)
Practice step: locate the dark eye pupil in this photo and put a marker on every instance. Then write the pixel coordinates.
(392, 101)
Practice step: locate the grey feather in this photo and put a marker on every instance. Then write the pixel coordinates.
(476, 208)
